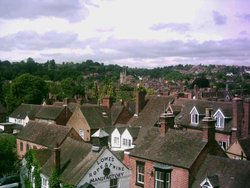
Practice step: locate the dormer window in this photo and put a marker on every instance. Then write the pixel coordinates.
(194, 116)
(220, 119)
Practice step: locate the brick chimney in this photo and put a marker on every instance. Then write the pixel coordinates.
(57, 157)
(208, 130)
(246, 124)
(237, 118)
(139, 101)
(107, 101)
(99, 140)
(166, 122)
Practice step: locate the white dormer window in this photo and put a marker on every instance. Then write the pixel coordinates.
(206, 184)
(220, 119)
(194, 116)
(81, 133)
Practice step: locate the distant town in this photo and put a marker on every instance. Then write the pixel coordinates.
(90, 125)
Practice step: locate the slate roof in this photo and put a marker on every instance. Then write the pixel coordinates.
(43, 133)
(96, 116)
(24, 110)
(49, 112)
(116, 110)
(151, 112)
(245, 145)
(76, 159)
(183, 118)
(177, 148)
(231, 173)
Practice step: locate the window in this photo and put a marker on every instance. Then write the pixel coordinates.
(140, 173)
(27, 147)
(21, 146)
(126, 142)
(81, 133)
(194, 119)
(219, 122)
(223, 145)
(162, 178)
(116, 140)
(194, 116)
(113, 183)
(44, 183)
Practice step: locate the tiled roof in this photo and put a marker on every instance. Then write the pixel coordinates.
(116, 109)
(24, 110)
(231, 173)
(151, 112)
(183, 118)
(49, 112)
(96, 116)
(76, 159)
(177, 148)
(245, 145)
(43, 133)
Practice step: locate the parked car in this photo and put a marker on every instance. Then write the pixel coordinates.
(10, 181)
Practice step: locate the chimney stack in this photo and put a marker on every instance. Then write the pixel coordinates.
(208, 131)
(99, 140)
(107, 102)
(237, 118)
(139, 101)
(57, 157)
(166, 122)
(246, 124)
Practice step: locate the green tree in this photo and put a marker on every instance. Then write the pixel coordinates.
(26, 89)
(8, 158)
(54, 181)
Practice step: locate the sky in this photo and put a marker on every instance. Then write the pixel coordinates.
(134, 33)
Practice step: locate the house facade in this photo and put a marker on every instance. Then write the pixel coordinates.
(158, 161)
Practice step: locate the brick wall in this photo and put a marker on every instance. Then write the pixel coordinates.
(77, 121)
(21, 153)
(179, 176)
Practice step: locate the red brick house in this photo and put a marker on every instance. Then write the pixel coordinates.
(36, 135)
(167, 157)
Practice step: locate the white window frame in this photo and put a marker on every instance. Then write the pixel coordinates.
(163, 178)
(116, 140)
(220, 119)
(113, 183)
(223, 144)
(140, 170)
(194, 116)
(126, 142)
(81, 133)
(204, 182)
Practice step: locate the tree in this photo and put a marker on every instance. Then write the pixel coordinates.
(8, 158)
(201, 82)
(26, 89)
(54, 181)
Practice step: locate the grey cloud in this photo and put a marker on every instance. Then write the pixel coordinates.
(171, 26)
(30, 40)
(72, 10)
(245, 17)
(219, 19)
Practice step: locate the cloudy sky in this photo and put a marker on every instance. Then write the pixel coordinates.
(135, 33)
